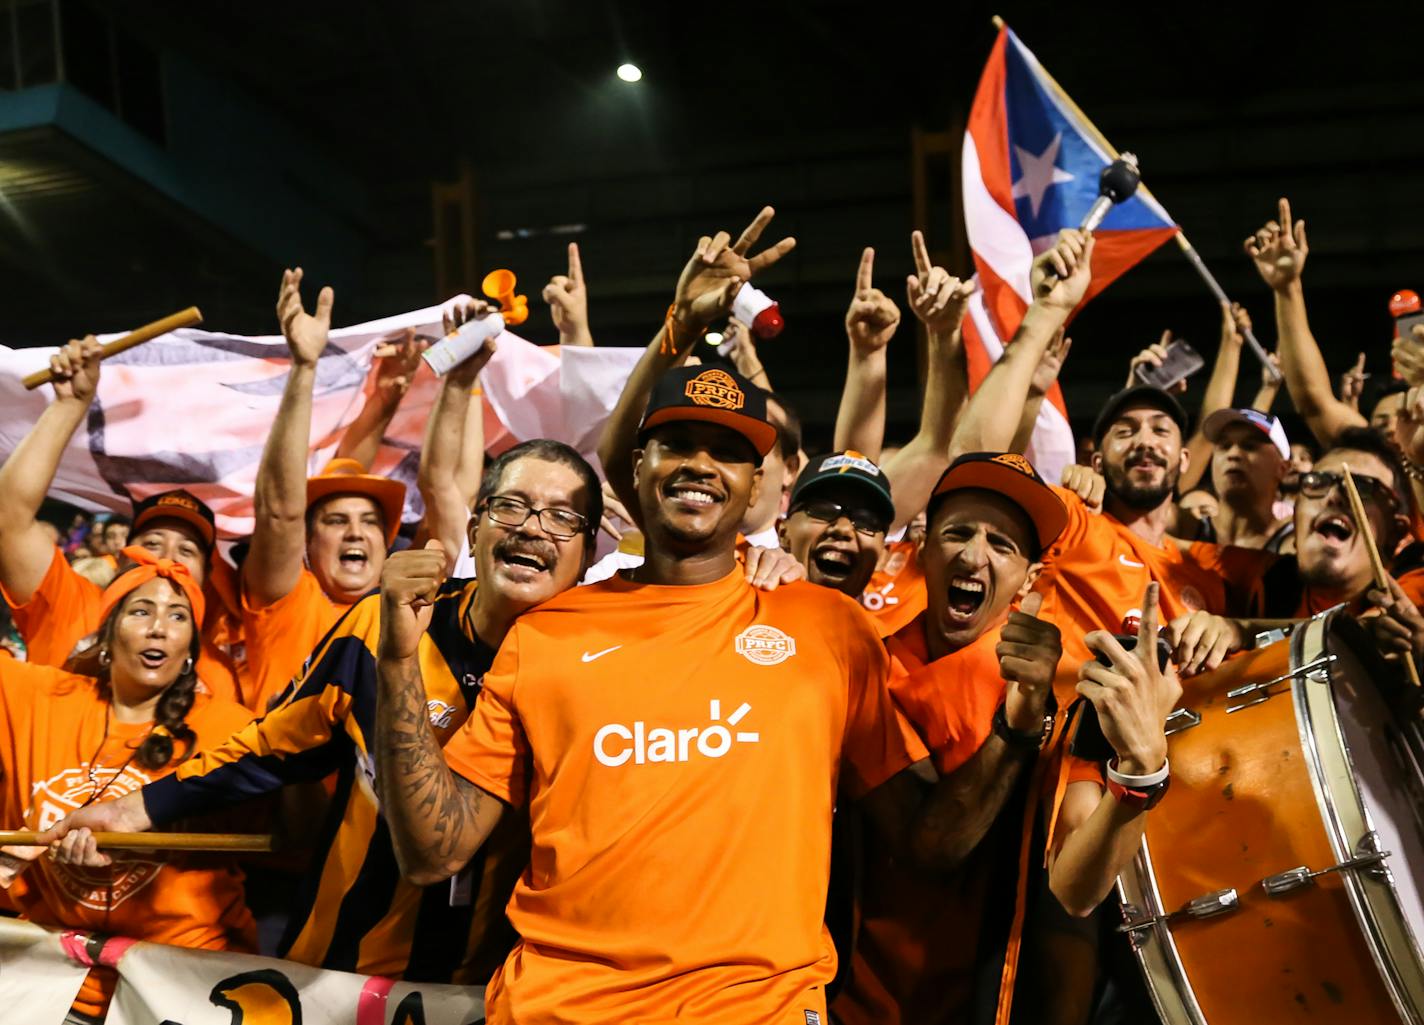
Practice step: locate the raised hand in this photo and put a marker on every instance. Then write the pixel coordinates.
(397, 364)
(937, 298)
(1408, 355)
(1133, 698)
(718, 268)
(457, 313)
(410, 580)
(1028, 650)
(568, 302)
(1200, 641)
(1153, 356)
(1086, 483)
(1279, 249)
(1352, 384)
(1051, 365)
(75, 370)
(872, 317)
(1060, 275)
(1235, 322)
(613, 509)
(306, 333)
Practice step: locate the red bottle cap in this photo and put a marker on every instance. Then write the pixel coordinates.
(1406, 300)
(768, 323)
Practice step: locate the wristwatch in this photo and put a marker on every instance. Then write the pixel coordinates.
(1142, 793)
(1024, 740)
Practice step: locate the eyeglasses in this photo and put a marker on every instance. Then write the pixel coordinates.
(1318, 484)
(864, 522)
(561, 524)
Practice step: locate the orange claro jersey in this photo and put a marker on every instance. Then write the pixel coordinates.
(679, 749)
(64, 610)
(896, 592)
(1097, 571)
(58, 747)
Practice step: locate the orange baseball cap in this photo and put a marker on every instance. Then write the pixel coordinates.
(1011, 475)
(349, 477)
(712, 395)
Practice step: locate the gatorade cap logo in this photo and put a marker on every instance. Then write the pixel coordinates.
(715, 388)
(1018, 462)
(851, 460)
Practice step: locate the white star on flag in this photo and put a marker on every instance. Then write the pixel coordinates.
(1040, 173)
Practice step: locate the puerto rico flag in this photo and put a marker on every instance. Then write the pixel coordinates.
(1031, 163)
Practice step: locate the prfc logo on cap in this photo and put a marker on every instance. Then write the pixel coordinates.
(715, 388)
(1017, 462)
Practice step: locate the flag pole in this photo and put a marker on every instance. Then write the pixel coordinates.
(1193, 257)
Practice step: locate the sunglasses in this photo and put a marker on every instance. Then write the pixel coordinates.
(864, 521)
(1319, 483)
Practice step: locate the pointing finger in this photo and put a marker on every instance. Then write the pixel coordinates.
(865, 274)
(575, 265)
(922, 253)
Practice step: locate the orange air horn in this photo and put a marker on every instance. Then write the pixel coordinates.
(499, 286)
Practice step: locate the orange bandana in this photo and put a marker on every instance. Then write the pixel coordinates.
(146, 568)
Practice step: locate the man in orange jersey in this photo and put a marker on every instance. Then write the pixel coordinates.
(678, 738)
(975, 678)
(317, 545)
(55, 609)
(835, 527)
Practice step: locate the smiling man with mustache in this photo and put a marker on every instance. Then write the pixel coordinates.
(531, 534)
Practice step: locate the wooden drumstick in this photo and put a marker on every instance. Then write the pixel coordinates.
(1362, 524)
(184, 318)
(240, 842)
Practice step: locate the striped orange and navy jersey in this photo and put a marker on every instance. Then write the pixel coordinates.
(354, 911)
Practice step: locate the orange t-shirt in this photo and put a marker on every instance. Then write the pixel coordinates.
(896, 592)
(65, 609)
(58, 745)
(1096, 572)
(278, 638)
(679, 749)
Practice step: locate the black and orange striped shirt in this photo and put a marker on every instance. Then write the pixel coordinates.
(354, 912)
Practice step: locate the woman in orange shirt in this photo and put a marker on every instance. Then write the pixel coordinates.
(68, 739)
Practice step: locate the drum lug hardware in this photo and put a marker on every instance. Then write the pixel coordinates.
(1368, 859)
(1180, 720)
(1262, 692)
(1208, 905)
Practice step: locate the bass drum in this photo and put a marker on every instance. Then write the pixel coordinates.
(1280, 878)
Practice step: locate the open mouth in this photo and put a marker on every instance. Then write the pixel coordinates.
(965, 597)
(354, 558)
(1334, 528)
(523, 563)
(833, 563)
(152, 658)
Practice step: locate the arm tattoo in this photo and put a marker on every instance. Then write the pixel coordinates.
(436, 819)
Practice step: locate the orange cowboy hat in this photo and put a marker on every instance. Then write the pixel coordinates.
(349, 477)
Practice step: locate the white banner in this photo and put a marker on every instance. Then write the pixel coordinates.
(35, 974)
(192, 409)
(41, 972)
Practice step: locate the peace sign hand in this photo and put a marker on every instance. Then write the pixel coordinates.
(717, 269)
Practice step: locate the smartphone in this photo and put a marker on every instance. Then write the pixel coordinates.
(1088, 741)
(1180, 363)
(1404, 326)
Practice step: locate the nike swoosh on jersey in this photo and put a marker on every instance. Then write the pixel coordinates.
(1128, 562)
(597, 655)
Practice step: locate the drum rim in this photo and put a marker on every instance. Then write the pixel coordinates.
(1174, 998)
(1318, 722)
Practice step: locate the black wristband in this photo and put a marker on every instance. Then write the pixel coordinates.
(1021, 740)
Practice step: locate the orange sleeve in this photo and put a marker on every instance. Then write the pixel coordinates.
(1243, 569)
(491, 749)
(63, 610)
(1412, 584)
(280, 636)
(1081, 771)
(878, 741)
(1080, 520)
